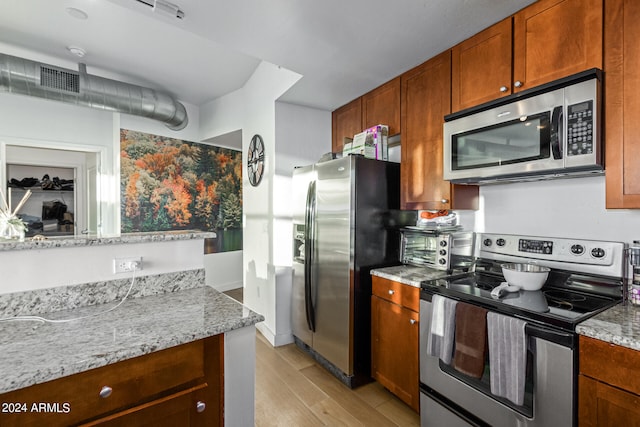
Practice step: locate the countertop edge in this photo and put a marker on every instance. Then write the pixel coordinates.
(77, 241)
(240, 317)
(408, 274)
(145, 350)
(619, 325)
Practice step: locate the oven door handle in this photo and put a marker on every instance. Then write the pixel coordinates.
(566, 339)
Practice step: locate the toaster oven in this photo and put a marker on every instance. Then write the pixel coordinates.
(442, 250)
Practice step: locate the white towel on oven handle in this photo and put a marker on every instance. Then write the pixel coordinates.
(442, 331)
(507, 356)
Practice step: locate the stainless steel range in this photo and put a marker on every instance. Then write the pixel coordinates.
(524, 373)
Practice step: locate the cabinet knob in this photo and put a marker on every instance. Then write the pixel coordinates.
(444, 201)
(518, 83)
(200, 406)
(391, 292)
(413, 321)
(503, 89)
(106, 392)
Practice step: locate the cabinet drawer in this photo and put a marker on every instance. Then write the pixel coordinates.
(610, 363)
(132, 382)
(179, 409)
(396, 292)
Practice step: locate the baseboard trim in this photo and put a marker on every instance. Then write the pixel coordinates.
(274, 340)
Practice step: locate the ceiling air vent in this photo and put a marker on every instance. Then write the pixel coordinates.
(164, 8)
(22, 76)
(61, 80)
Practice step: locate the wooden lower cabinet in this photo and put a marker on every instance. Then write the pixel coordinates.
(182, 385)
(394, 339)
(605, 406)
(608, 385)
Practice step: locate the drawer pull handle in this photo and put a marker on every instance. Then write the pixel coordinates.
(201, 406)
(391, 292)
(413, 321)
(445, 201)
(503, 89)
(105, 392)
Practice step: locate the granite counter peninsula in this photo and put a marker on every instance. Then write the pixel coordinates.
(163, 343)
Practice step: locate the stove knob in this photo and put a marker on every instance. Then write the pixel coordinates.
(443, 243)
(597, 253)
(577, 249)
(501, 242)
(442, 261)
(443, 252)
(487, 242)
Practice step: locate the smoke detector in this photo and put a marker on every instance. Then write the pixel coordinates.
(77, 13)
(77, 51)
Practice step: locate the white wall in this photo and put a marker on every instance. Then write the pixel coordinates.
(293, 135)
(266, 85)
(29, 119)
(223, 271)
(303, 135)
(572, 208)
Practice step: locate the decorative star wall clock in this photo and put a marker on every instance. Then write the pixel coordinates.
(255, 160)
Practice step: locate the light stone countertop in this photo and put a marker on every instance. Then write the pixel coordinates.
(75, 241)
(618, 325)
(409, 275)
(33, 352)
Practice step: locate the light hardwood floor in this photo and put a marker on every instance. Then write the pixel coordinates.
(293, 390)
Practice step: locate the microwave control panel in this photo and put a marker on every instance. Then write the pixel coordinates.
(580, 128)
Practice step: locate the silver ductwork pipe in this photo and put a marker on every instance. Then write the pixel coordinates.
(26, 77)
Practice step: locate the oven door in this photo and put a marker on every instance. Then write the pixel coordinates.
(549, 397)
(420, 249)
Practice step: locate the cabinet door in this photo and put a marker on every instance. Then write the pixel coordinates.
(622, 104)
(426, 98)
(381, 106)
(481, 67)
(604, 406)
(346, 122)
(554, 39)
(394, 350)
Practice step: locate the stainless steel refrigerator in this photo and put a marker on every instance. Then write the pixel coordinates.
(341, 214)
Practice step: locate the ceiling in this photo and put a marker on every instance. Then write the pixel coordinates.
(342, 48)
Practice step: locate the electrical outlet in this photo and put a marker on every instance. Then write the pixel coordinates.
(125, 265)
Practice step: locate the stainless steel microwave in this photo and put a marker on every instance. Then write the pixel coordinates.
(552, 131)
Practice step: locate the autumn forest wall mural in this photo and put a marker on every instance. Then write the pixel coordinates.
(170, 184)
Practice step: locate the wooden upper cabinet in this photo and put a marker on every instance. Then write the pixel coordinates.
(381, 106)
(426, 99)
(544, 42)
(481, 67)
(346, 121)
(554, 39)
(622, 105)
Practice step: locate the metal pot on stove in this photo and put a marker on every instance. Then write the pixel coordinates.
(528, 277)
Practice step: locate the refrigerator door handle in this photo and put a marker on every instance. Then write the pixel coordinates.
(309, 249)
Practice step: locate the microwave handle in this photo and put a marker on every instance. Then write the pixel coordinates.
(556, 132)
